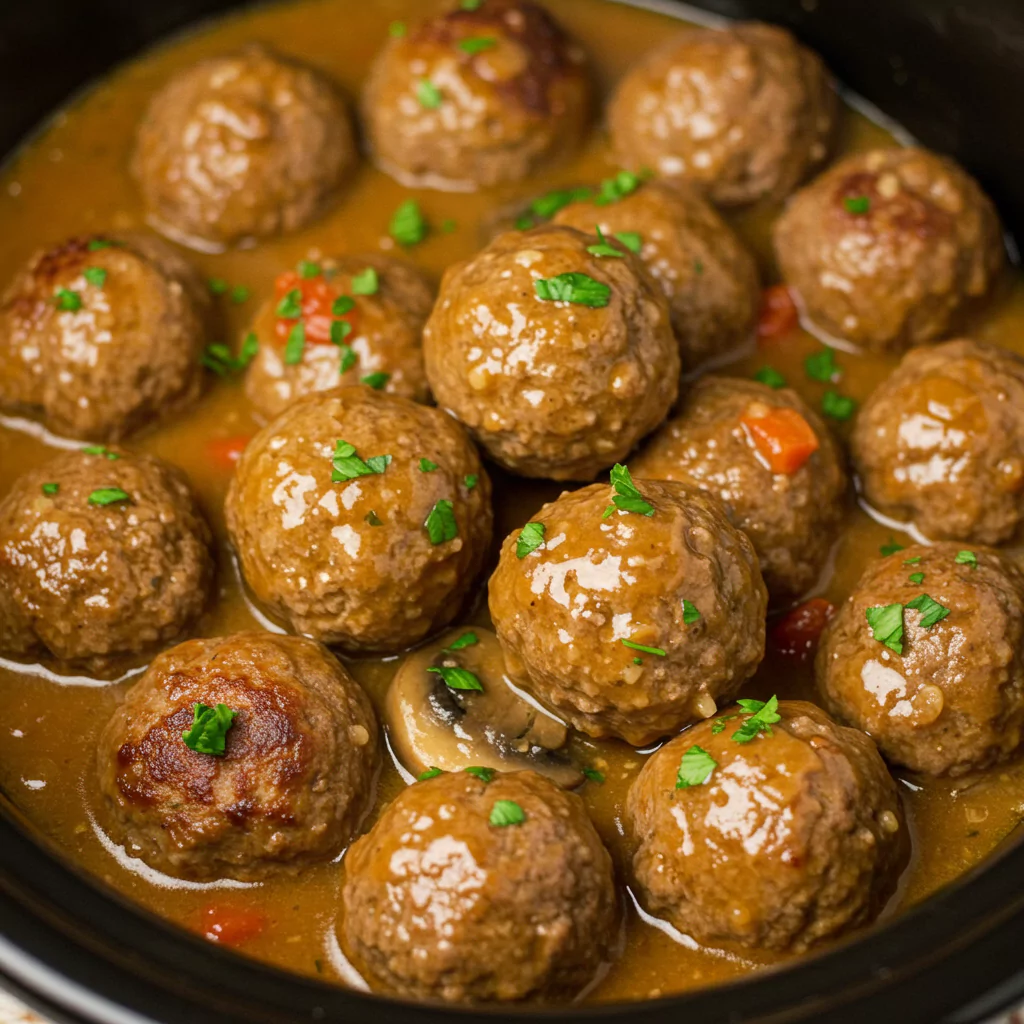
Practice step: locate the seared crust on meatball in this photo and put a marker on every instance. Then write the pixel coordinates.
(706, 273)
(84, 581)
(442, 904)
(472, 98)
(794, 837)
(387, 337)
(564, 611)
(102, 335)
(551, 388)
(951, 699)
(242, 146)
(942, 439)
(353, 562)
(791, 516)
(744, 112)
(297, 776)
(890, 248)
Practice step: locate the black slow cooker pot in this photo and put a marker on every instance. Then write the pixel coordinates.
(952, 71)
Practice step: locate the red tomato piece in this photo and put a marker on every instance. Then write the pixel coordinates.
(232, 926)
(317, 298)
(778, 315)
(783, 437)
(224, 452)
(796, 633)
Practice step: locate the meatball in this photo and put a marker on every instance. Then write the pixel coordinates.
(472, 98)
(890, 248)
(240, 147)
(630, 623)
(943, 441)
(744, 113)
(380, 335)
(552, 387)
(296, 776)
(469, 890)
(778, 842)
(102, 553)
(927, 657)
(787, 500)
(361, 519)
(708, 277)
(102, 335)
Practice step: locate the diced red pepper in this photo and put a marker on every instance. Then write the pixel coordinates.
(796, 633)
(224, 452)
(783, 437)
(778, 315)
(232, 926)
(318, 296)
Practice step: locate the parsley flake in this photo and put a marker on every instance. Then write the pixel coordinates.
(430, 773)
(627, 497)
(210, 726)
(456, 678)
(217, 285)
(222, 361)
(857, 204)
(470, 480)
(440, 522)
(239, 294)
(372, 519)
(295, 345)
(822, 366)
(408, 225)
(632, 240)
(930, 609)
(604, 247)
(580, 289)
(642, 647)
(483, 774)
(886, 622)
(426, 466)
(290, 306)
(340, 330)
(348, 357)
(468, 639)
(547, 205)
(428, 94)
(762, 717)
(912, 561)
(309, 269)
(101, 449)
(104, 496)
(837, 406)
(366, 282)
(51, 489)
(891, 548)
(690, 613)
(966, 558)
(695, 768)
(96, 276)
(67, 301)
(377, 380)
(592, 775)
(348, 465)
(719, 724)
(477, 44)
(621, 185)
(531, 536)
(506, 812)
(916, 578)
(96, 244)
(770, 376)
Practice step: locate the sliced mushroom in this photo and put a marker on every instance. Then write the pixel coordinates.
(435, 721)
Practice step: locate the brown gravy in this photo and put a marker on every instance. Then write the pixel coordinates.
(73, 178)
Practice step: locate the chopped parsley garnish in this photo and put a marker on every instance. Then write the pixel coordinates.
(101, 449)
(690, 613)
(51, 489)
(108, 496)
(603, 247)
(222, 361)
(916, 578)
(762, 717)
(96, 244)
(408, 225)
(632, 240)
(930, 609)
(483, 774)
(695, 768)
(67, 300)
(506, 812)
(377, 380)
(477, 44)
(524, 223)
(548, 205)
(340, 330)
(822, 366)
(857, 204)
(966, 558)
(456, 678)
(96, 276)
(531, 536)
(886, 622)
(440, 522)
(719, 724)
(642, 647)
(577, 288)
(430, 773)
(471, 5)
(837, 406)
(342, 304)
(239, 294)
(295, 345)
(396, 29)
(366, 282)
(372, 519)
(891, 548)
(309, 269)
(348, 356)
(348, 465)
(217, 285)
(627, 497)
(426, 466)
(468, 639)
(592, 775)
(428, 94)
(916, 560)
(210, 726)
(290, 306)
(770, 376)
(613, 189)
(470, 480)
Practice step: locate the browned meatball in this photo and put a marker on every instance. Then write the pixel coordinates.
(102, 553)
(474, 891)
(241, 147)
(296, 777)
(708, 277)
(557, 389)
(625, 623)
(102, 335)
(789, 505)
(744, 112)
(927, 657)
(371, 548)
(791, 837)
(890, 248)
(384, 331)
(472, 98)
(942, 440)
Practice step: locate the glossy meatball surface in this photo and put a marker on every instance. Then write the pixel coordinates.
(725, 439)
(372, 561)
(552, 388)
(387, 302)
(682, 583)
(706, 273)
(473, 891)
(297, 774)
(101, 555)
(942, 441)
(473, 98)
(240, 147)
(792, 837)
(890, 248)
(102, 335)
(745, 112)
(932, 666)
